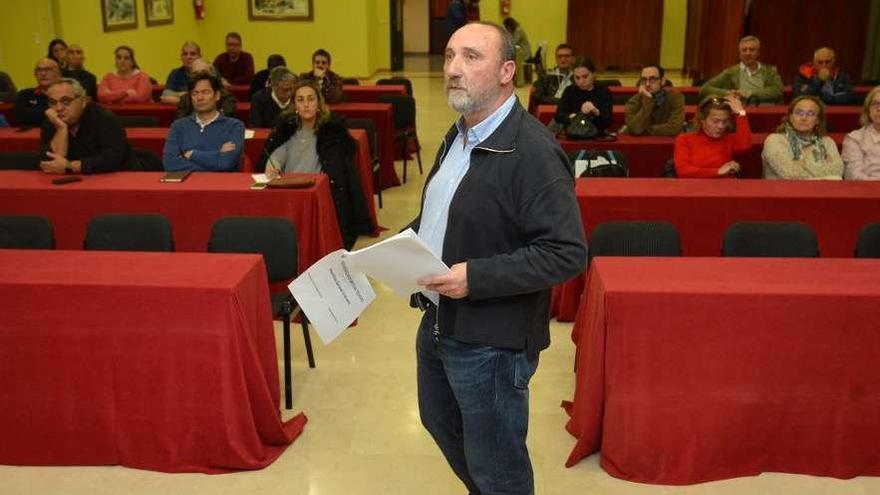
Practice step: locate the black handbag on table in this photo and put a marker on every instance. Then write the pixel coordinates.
(581, 127)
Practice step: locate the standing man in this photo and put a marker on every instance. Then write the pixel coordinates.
(75, 70)
(655, 110)
(499, 208)
(235, 65)
(31, 104)
(207, 140)
(749, 79)
(329, 81)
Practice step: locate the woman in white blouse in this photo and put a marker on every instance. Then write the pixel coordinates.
(800, 149)
(861, 147)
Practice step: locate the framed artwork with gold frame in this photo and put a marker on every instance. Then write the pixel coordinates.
(280, 10)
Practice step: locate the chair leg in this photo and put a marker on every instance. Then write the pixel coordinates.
(307, 339)
(377, 185)
(419, 156)
(288, 379)
(404, 160)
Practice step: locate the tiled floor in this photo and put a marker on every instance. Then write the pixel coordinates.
(364, 434)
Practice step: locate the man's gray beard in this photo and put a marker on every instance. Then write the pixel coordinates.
(465, 104)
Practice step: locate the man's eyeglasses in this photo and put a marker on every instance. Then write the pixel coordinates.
(65, 101)
(805, 113)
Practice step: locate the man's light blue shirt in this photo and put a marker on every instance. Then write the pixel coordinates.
(441, 188)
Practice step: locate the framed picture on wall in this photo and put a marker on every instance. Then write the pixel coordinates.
(158, 12)
(280, 10)
(118, 14)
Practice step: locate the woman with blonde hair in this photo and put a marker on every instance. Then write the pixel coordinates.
(721, 129)
(800, 148)
(861, 147)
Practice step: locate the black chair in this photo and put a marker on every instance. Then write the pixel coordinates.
(350, 81)
(397, 81)
(129, 232)
(608, 82)
(634, 238)
(19, 160)
(405, 126)
(26, 232)
(138, 120)
(770, 239)
(144, 160)
(370, 127)
(669, 170)
(868, 243)
(275, 239)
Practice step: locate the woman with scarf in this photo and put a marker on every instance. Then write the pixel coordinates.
(800, 148)
(308, 139)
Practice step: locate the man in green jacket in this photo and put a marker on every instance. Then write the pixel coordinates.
(750, 80)
(656, 110)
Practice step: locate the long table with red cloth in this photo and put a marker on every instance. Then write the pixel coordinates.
(702, 209)
(761, 119)
(153, 139)
(161, 361)
(353, 92)
(647, 155)
(192, 206)
(699, 369)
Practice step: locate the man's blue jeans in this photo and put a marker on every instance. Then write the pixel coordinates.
(474, 401)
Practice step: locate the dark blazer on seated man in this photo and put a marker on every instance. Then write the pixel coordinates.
(79, 136)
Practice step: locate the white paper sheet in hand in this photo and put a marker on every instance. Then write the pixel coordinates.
(332, 294)
(399, 262)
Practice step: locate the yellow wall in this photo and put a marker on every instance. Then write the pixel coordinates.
(542, 20)
(674, 28)
(25, 31)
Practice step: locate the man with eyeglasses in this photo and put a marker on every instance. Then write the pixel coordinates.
(549, 86)
(655, 110)
(823, 78)
(75, 69)
(235, 65)
(79, 137)
(749, 80)
(30, 105)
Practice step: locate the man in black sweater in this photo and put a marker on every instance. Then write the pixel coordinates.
(269, 102)
(30, 105)
(75, 69)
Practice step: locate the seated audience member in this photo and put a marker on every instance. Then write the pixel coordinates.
(58, 52)
(749, 80)
(75, 70)
(31, 104)
(549, 86)
(227, 101)
(824, 79)
(261, 78)
(655, 110)
(708, 150)
(235, 65)
(308, 139)
(206, 140)
(7, 88)
(583, 97)
(3, 122)
(78, 136)
(268, 103)
(800, 148)
(178, 79)
(329, 81)
(861, 147)
(128, 84)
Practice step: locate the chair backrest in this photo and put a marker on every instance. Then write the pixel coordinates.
(351, 81)
(634, 238)
(138, 120)
(868, 243)
(144, 160)
(370, 127)
(19, 160)
(273, 237)
(397, 81)
(770, 239)
(669, 169)
(608, 82)
(26, 232)
(129, 232)
(404, 110)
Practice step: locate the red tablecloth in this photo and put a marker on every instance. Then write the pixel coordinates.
(191, 206)
(153, 139)
(761, 119)
(702, 209)
(162, 361)
(647, 155)
(700, 369)
(371, 94)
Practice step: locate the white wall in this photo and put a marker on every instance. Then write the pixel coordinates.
(415, 26)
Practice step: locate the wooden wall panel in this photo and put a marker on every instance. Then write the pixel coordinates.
(713, 30)
(616, 34)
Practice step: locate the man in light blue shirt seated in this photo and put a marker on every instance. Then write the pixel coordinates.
(206, 140)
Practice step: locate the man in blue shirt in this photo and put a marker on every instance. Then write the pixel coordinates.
(499, 209)
(206, 140)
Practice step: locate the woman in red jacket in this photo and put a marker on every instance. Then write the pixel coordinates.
(720, 130)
